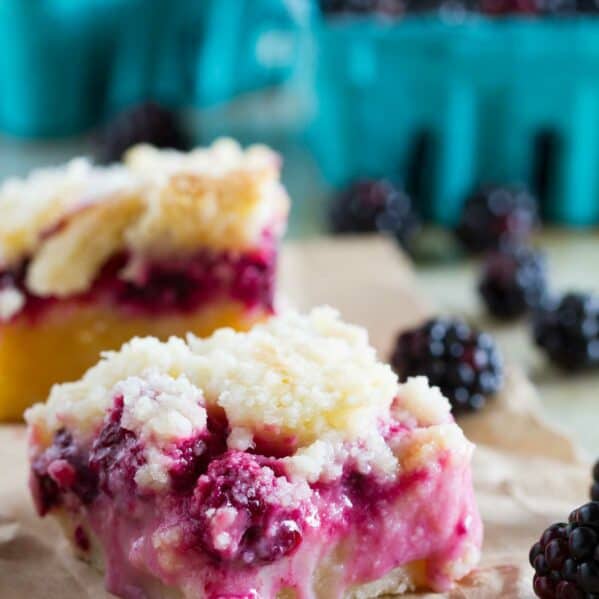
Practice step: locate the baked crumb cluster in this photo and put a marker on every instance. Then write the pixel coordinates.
(64, 223)
(250, 458)
(311, 385)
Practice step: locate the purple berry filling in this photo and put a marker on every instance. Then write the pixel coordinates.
(116, 454)
(62, 468)
(192, 456)
(168, 286)
(241, 487)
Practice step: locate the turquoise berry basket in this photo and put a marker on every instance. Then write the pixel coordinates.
(251, 45)
(63, 62)
(445, 107)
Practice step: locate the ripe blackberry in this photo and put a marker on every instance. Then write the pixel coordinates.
(567, 328)
(372, 205)
(566, 558)
(513, 281)
(528, 7)
(464, 363)
(587, 6)
(495, 216)
(145, 123)
(446, 7)
(352, 6)
(595, 486)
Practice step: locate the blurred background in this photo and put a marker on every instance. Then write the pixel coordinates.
(436, 95)
(414, 118)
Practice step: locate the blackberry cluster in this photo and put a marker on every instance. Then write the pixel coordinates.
(595, 486)
(464, 363)
(513, 281)
(528, 7)
(395, 7)
(566, 558)
(372, 205)
(567, 329)
(497, 216)
(489, 7)
(145, 123)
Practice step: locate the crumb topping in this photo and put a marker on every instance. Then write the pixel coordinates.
(417, 400)
(158, 203)
(33, 206)
(159, 408)
(11, 302)
(312, 379)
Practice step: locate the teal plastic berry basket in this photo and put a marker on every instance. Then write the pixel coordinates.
(65, 64)
(252, 45)
(55, 61)
(445, 107)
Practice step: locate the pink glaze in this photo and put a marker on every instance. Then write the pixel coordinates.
(167, 286)
(174, 536)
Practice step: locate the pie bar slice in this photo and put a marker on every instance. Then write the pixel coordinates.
(163, 244)
(284, 462)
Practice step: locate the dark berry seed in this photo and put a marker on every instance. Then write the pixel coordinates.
(555, 531)
(540, 565)
(582, 542)
(568, 590)
(464, 363)
(544, 587)
(588, 577)
(570, 570)
(556, 553)
(586, 514)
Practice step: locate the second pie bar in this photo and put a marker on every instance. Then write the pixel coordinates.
(162, 244)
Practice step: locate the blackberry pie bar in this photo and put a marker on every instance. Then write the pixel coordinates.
(163, 244)
(281, 463)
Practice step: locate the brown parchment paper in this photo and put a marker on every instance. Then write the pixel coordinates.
(526, 474)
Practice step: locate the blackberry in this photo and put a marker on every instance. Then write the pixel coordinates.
(463, 362)
(495, 216)
(372, 205)
(566, 558)
(595, 486)
(351, 6)
(446, 7)
(145, 123)
(507, 7)
(567, 329)
(513, 281)
(587, 6)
